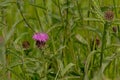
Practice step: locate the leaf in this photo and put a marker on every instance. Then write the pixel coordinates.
(66, 68)
(81, 39)
(94, 30)
(20, 37)
(87, 64)
(92, 19)
(109, 59)
(106, 62)
(38, 6)
(11, 32)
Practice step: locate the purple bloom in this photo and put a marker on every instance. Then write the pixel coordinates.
(40, 39)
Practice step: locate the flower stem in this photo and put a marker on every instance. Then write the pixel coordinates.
(38, 17)
(115, 10)
(103, 43)
(18, 5)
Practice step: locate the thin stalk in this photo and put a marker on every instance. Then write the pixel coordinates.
(80, 12)
(62, 19)
(18, 6)
(8, 62)
(36, 12)
(6, 57)
(45, 12)
(60, 11)
(23, 68)
(89, 47)
(80, 15)
(21, 65)
(103, 43)
(115, 8)
(67, 12)
(66, 56)
(58, 72)
(88, 23)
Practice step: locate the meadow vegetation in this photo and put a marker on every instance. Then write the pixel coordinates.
(82, 40)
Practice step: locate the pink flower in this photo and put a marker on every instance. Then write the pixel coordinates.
(40, 37)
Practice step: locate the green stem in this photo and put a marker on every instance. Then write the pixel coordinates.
(62, 20)
(45, 12)
(66, 55)
(18, 5)
(79, 10)
(103, 43)
(5, 56)
(115, 9)
(38, 18)
(7, 64)
(60, 12)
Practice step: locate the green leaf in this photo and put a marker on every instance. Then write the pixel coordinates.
(81, 39)
(87, 64)
(105, 64)
(38, 6)
(66, 68)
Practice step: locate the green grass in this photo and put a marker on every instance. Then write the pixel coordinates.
(82, 44)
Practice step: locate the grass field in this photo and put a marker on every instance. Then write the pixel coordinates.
(83, 42)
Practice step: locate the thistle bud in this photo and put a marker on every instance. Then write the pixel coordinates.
(97, 42)
(109, 15)
(114, 29)
(25, 44)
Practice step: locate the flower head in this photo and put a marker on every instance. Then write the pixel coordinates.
(40, 39)
(109, 15)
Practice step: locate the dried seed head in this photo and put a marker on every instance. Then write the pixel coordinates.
(114, 29)
(97, 42)
(25, 44)
(109, 15)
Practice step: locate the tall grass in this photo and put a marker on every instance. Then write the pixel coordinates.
(83, 44)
